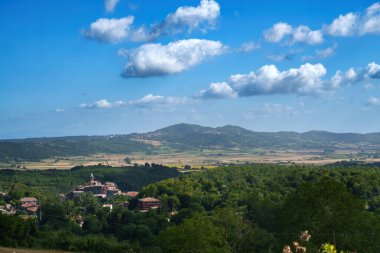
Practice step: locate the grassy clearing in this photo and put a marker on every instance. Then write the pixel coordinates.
(208, 158)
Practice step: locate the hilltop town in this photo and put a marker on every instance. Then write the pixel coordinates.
(108, 195)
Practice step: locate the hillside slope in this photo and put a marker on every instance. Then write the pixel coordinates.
(183, 137)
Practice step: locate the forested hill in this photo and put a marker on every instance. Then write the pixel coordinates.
(237, 137)
(183, 137)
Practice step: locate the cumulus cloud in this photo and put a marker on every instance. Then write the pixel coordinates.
(370, 24)
(359, 24)
(277, 32)
(349, 77)
(300, 34)
(110, 30)
(344, 25)
(373, 101)
(201, 17)
(110, 5)
(304, 34)
(353, 76)
(218, 90)
(308, 79)
(185, 18)
(175, 57)
(350, 24)
(373, 70)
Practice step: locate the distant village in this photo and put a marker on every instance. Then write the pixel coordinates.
(30, 206)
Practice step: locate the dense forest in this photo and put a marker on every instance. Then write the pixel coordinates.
(53, 182)
(255, 208)
(184, 138)
(42, 148)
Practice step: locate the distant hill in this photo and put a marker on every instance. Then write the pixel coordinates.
(183, 137)
(236, 137)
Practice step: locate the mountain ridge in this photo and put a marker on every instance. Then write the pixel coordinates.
(181, 138)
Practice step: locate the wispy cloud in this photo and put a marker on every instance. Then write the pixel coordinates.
(103, 104)
(325, 53)
(321, 53)
(373, 101)
(248, 47)
(281, 57)
(110, 5)
(268, 109)
(149, 101)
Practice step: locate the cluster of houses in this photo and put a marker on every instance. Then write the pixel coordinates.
(110, 190)
(30, 205)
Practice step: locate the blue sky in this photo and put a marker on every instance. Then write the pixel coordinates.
(89, 67)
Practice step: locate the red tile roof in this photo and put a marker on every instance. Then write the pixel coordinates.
(32, 209)
(132, 194)
(26, 205)
(149, 199)
(28, 199)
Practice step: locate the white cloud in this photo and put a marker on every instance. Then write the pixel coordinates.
(175, 57)
(308, 79)
(370, 24)
(373, 101)
(158, 101)
(110, 5)
(344, 25)
(248, 47)
(201, 17)
(103, 104)
(301, 34)
(218, 90)
(373, 70)
(358, 24)
(353, 76)
(304, 34)
(341, 79)
(110, 30)
(148, 101)
(349, 24)
(269, 80)
(277, 32)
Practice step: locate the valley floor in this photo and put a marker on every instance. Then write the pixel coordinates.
(204, 158)
(13, 250)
